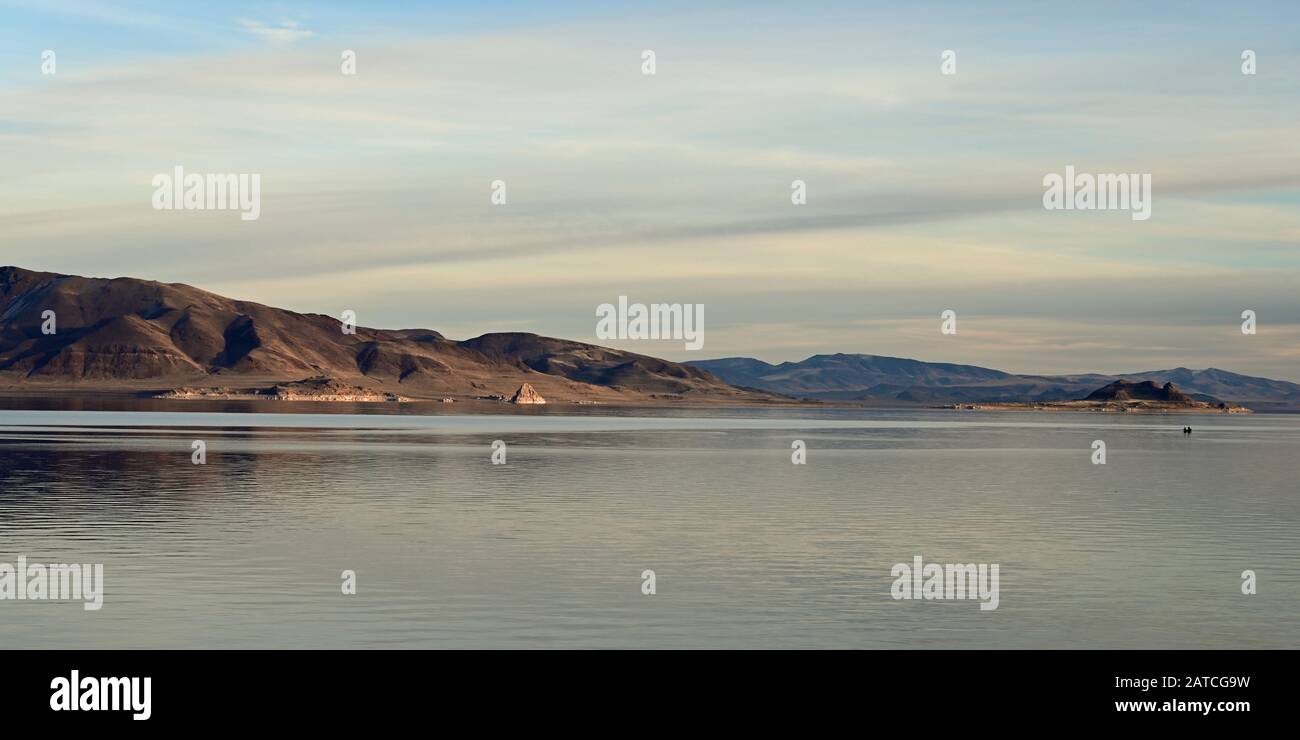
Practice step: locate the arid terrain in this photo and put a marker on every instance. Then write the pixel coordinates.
(171, 340)
(67, 336)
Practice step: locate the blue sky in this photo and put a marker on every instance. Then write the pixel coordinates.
(924, 190)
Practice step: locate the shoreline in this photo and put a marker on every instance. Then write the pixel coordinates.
(250, 402)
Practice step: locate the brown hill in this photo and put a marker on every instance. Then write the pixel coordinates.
(132, 334)
(1128, 390)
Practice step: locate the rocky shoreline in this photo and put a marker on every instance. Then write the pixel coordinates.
(325, 389)
(286, 392)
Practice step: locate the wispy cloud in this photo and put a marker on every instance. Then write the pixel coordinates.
(284, 32)
(924, 192)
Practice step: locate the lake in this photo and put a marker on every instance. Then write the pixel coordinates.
(748, 550)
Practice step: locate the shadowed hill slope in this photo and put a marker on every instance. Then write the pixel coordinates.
(125, 333)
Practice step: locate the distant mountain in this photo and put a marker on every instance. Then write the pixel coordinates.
(847, 377)
(846, 374)
(1225, 385)
(131, 334)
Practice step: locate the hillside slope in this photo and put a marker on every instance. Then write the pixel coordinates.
(131, 334)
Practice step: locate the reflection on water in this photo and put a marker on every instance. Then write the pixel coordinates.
(748, 549)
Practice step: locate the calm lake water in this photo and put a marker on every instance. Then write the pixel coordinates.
(748, 550)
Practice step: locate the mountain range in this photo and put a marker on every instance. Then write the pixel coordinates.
(873, 378)
(126, 334)
(71, 334)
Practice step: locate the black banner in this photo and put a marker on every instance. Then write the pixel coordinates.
(926, 689)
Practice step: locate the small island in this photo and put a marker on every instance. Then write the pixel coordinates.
(1122, 396)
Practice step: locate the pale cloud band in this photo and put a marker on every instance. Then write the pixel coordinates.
(924, 191)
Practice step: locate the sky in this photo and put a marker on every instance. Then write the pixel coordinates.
(924, 190)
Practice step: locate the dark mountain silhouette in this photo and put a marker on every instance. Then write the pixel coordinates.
(1144, 390)
(846, 377)
(1213, 382)
(131, 334)
(840, 373)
